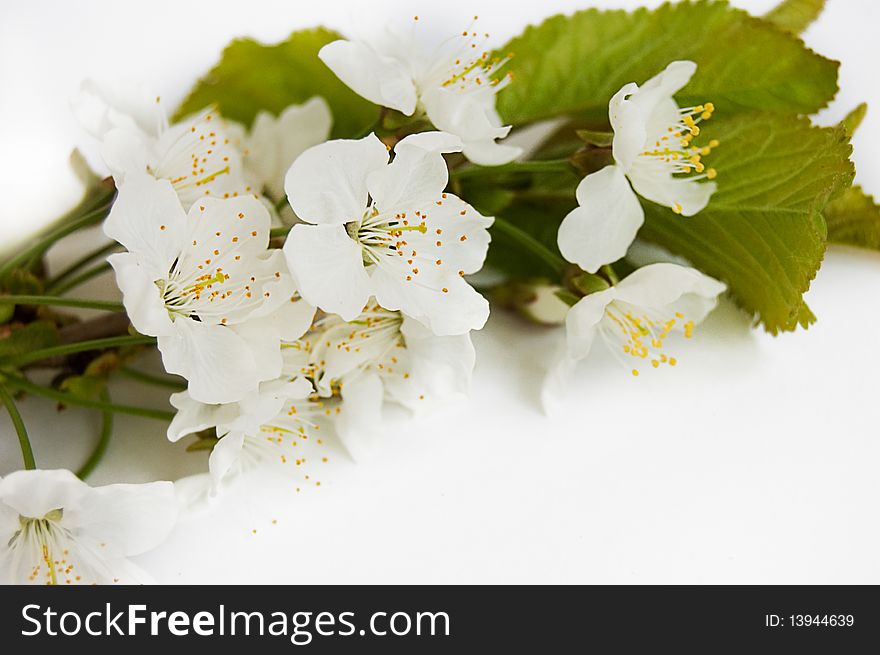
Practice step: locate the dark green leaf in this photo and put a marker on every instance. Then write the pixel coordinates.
(572, 65)
(252, 76)
(763, 232)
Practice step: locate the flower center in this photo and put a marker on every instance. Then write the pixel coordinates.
(191, 292)
(640, 333)
(291, 437)
(674, 147)
(43, 539)
(464, 65)
(384, 234)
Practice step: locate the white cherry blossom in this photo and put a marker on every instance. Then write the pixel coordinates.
(414, 367)
(635, 318)
(197, 155)
(274, 142)
(386, 230)
(279, 425)
(56, 529)
(654, 152)
(206, 285)
(453, 84)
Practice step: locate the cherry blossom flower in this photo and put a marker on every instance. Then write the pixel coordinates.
(390, 351)
(654, 152)
(197, 155)
(386, 230)
(56, 529)
(274, 142)
(635, 318)
(454, 84)
(206, 285)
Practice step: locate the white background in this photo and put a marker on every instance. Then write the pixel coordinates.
(755, 460)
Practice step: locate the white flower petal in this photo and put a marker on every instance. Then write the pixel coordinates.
(65, 532)
(673, 287)
(471, 117)
(432, 369)
(193, 416)
(140, 295)
(361, 413)
(631, 109)
(200, 159)
(456, 310)
(125, 151)
(218, 363)
(555, 385)
(381, 79)
(147, 219)
(134, 518)
(225, 456)
(36, 493)
(328, 182)
(653, 181)
(100, 108)
(418, 171)
(328, 266)
(601, 229)
(490, 153)
(583, 320)
(672, 79)
(275, 143)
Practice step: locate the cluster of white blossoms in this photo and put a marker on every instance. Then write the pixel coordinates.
(367, 301)
(380, 251)
(453, 84)
(652, 144)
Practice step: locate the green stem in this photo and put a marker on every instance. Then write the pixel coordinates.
(610, 274)
(82, 303)
(540, 166)
(27, 453)
(528, 242)
(374, 126)
(88, 258)
(277, 232)
(38, 248)
(280, 204)
(25, 385)
(103, 442)
(78, 347)
(83, 277)
(155, 380)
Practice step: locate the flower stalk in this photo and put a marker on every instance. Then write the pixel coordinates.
(27, 453)
(22, 384)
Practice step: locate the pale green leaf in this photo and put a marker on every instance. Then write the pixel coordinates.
(853, 119)
(763, 232)
(795, 15)
(17, 341)
(854, 219)
(572, 65)
(251, 76)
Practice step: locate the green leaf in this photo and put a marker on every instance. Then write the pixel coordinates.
(33, 336)
(572, 65)
(795, 15)
(763, 232)
(594, 138)
(853, 119)
(84, 386)
(251, 76)
(854, 219)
